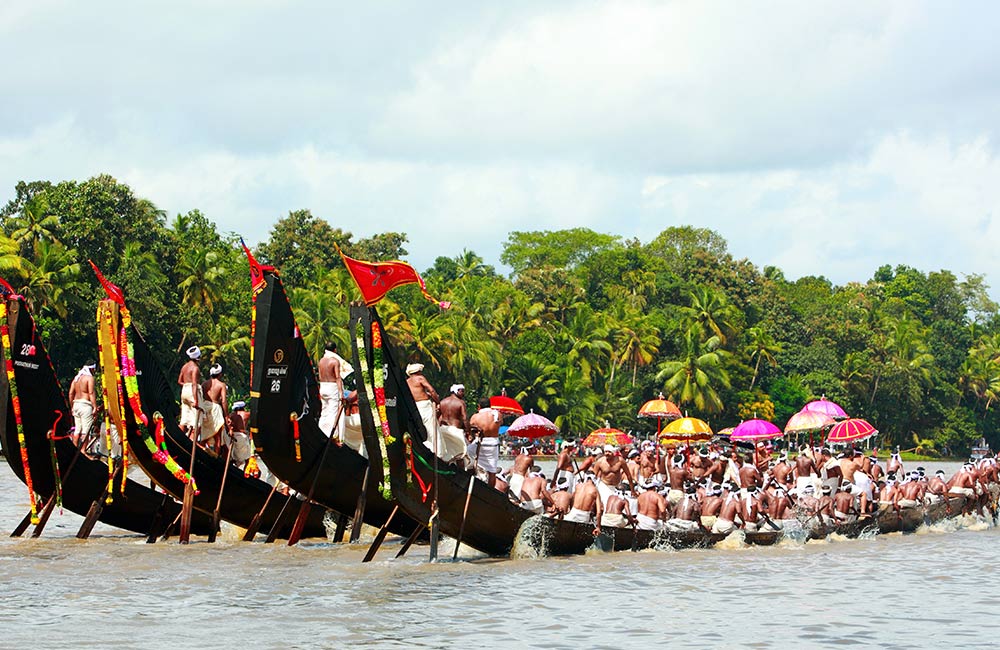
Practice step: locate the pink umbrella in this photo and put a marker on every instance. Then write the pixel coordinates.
(756, 430)
(532, 425)
(826, 407)
(852, 430)
(807, 421)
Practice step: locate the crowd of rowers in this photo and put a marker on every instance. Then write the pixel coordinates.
(711, 489)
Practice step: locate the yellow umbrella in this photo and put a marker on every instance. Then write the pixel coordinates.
(686, 430)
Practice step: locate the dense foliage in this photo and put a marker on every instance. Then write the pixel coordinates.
(587, 327)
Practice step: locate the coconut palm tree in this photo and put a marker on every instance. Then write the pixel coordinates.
(637, 339)
(762, 346)
(51, 278)
(694, 378)
(200, 273)
(710, 314)
(34, 224)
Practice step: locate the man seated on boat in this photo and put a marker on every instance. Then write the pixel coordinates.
(781, 472)
(565, 465)
(843, 503)
(519, 471)
(427, 400)
(888, 496)
(911, 493)
(331, 392)
(725, 523)
(586, 506)
(824, 504)
(190, 383)
(750, 476)
(616, 513)
(484, 427)
(779, 505)
(561, 499)
(750, 508)
(214, 407)
(678, 474)
(806, 473)
(609, 470)
(83, 399)
(686, 515)
(711, 505)
(500, 483)
(534, 496)
(651, 507)
(453, 436)
(937, 488)
(874, 469)
(963, 483)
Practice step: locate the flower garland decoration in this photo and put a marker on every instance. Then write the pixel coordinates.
(377, 410)
(16, 403)
(105, 336)
(295, 434)
(251, 469)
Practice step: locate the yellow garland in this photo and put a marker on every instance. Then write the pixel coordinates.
(104, 342)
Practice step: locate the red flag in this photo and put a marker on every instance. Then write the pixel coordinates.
(110, 288)
(375, 279)
(257, 281)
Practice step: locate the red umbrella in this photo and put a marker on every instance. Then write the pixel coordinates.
(851, 430)
(660, 408)
(505, 404)
(607, 436)
(826, 407)
(532, 425)
(756, 430)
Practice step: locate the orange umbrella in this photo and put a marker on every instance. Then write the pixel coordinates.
(607, 436)
(660, 408)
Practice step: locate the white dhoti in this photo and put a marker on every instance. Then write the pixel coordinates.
(680, 526)
(908, 503)
(605, 491)
(213, 421)
(353, 436)
(241, 448)
(451, 442)
(578, 516)
(567, 477)
(489, 456)
(190, 400)
(674, 497)
(330, 397)
(645, 522)
(614, 520)
(724, 526)
(962, 491)
(428, 413)
(515, 484)
(803, 481)
(83, 417)
(534, 505)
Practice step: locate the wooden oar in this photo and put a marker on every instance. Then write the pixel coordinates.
(409, 541)
(218, 503)
(188, 504)
(51, 502)
(278, 523)
(300, 520)
(255, 522)
(359, 509)
(468, 496)
(380, 536)
(23, 526)
(97, 507)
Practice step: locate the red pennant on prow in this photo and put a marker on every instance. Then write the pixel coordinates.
(110, 288)
(9, 290)
(375, 279)
(257, 269)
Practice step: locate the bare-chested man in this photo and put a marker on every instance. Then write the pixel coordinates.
(686, 515)
(779, 505)
(484, 427)
(761, 457)
(699, 464)
(849, 464)
(725, 523)
(609, 470)
(782, 471)
(453, 425)
(911, 493)
(716, 468)
(750, 476)
(190, 383)
(83, 399)
(562, 501)
(805, 470)
(534, 496)
(895, 464)
(647, 462)
(843, 503)
(565, 465)
(214, 408)
(678, 475)
(616, 512)
(651, 508)
(711, 505)
(331, 393)
(427, 400)
(587, 505)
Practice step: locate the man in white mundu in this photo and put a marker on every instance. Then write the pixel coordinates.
(332, 370)
(427, 401)
(83, 397)
(190, 382)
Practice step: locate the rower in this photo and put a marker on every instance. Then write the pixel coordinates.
(523, 463)
(843, 503)
(679, 475)
(564, 464)
(534, 496)
(586, 506)
(609, 470)
(616, 513)
(651, 507)
(687, 515)
(561, 498)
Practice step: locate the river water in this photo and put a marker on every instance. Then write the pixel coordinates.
(932, 589)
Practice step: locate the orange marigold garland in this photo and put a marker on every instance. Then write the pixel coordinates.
(16, 403)
(105, 341)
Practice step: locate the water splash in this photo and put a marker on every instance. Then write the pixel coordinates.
(532, 539)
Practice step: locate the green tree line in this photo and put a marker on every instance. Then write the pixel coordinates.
(585, 328)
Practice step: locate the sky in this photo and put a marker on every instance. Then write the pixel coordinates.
(826, 138)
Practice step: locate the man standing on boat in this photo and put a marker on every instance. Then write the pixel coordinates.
(564, 466)
(609, 470)
(484, 427)
(427, 400)
(331, 393)
(83, 398)
(453, 425)
(190, 382)
(214, 408)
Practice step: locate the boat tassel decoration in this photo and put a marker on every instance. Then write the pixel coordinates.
(16, 403)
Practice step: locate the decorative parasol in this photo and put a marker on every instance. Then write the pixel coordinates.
(826, 407)
(532, 425)
(728, 431)
(660, 408)
(756, 430)
(686, 430)
(607, 435)
(852, 430)
(505, 404)
(807, 421)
